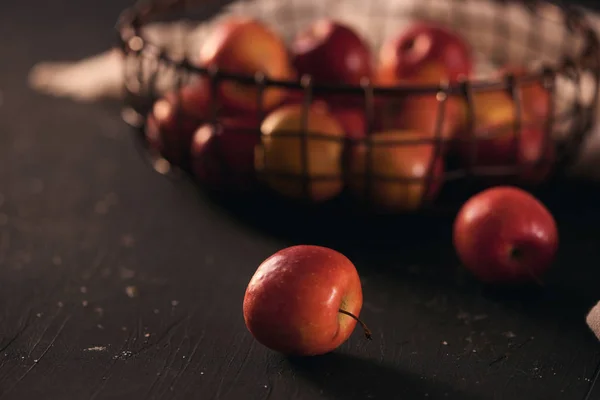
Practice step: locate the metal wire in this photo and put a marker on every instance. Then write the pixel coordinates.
(571, 68)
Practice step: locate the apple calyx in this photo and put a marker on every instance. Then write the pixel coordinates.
(368, 333)
(516, 254)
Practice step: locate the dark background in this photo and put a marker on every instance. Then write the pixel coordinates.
(117, 283)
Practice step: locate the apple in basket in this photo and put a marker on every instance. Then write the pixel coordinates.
(406, 171)
(352, 119)
(304, 301)
(173, 120)
(497, 144)
(534, 97)
(222, 154)
(245, 46)
(423, 113)
(285, 154)
(331, 52)
(505, 235)
(424, 53)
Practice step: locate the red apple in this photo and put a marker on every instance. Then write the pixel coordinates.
(421, 113)
(173, 120)
(352, 117)
(245, 46)
(353, 120)
(331, 52)
(534, 97)
(425, 53)
(298, 301)
(280, 156)
(529, 155)
(504, 235)
(399, 166)
(317, 104)
(497, 144)
(223, 154)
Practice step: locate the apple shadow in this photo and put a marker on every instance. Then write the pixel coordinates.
(347, 377)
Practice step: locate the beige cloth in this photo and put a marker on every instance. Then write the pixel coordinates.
(593, 320)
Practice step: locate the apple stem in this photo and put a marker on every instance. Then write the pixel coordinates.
(536, 278)
(368, 333)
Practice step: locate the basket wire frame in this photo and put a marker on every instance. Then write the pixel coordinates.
(145, 62)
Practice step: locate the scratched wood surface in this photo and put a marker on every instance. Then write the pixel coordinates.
(116, 283)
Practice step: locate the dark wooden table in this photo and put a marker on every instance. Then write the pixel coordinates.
(116, 283)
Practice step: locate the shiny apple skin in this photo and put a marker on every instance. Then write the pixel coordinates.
(493, 224)
(331, 52)
(291, 303)
(425, 53)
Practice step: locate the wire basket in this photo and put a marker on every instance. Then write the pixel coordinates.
(555, 42)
